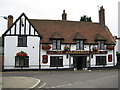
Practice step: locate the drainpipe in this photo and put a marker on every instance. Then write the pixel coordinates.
(113, 57)
(39, 55)
(89, 65)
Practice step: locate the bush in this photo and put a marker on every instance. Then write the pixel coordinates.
(118, 54)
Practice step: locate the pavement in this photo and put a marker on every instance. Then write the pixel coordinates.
(20, 82)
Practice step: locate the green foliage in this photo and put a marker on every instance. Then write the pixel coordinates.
(118, 54)
(86, 19)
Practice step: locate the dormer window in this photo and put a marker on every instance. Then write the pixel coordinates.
(101, 45)
(101, 41)
(56, 44)
(80, 45)
(56, 39)
(79, 38)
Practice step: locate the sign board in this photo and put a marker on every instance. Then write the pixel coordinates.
(76, 52)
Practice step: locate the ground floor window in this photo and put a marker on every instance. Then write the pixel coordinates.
(100, 60)
(22, 61)
(56, 61)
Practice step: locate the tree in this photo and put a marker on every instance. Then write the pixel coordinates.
(86, 19)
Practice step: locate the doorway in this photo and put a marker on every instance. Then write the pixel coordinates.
(79, 62)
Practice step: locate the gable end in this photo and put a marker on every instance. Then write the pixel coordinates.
(22, 26)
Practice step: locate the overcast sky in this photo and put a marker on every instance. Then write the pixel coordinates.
(52, 9)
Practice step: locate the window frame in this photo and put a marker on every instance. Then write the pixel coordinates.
(56, 45)
(55, 61)
(25, 61)
(102, 61)
(22, 41)
(80, 45)
(101, 45)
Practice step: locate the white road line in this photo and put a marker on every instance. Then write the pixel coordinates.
(62, 85)
(38, 81)
(69, 84)
(42, 85)
(58, 86)
(82, 82)
(52, 87)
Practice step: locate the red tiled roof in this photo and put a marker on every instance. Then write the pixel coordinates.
(56, 35)
(100, 37)
(68, 29)
(79, 36)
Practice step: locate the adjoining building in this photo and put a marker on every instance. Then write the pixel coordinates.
(58, 44)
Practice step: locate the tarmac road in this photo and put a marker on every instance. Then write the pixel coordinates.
(72, 79)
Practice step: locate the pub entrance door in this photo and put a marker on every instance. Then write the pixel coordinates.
(79, 62)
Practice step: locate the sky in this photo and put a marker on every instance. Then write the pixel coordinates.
(52, 10)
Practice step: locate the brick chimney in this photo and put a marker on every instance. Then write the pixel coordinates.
(64, 15)
(10, 21)
(102, 16)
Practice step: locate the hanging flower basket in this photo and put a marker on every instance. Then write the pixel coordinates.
(67, 48)
(46, 46)
(21, 54)
(95, 49)
(110, 47)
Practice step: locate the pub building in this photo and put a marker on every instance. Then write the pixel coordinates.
(58, 44)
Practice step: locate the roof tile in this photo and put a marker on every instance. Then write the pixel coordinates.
(72, 29)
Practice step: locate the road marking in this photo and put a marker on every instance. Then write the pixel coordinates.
(62, 85)
(58, 86)
(69, 84)
(38, 81)
(52, 87)
(42, 85)
(106, 77)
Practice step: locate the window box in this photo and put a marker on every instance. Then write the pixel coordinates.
(21, 59)
(110, 47)
(46, 46)
(95, 49)
(21, 54)
(67, 48)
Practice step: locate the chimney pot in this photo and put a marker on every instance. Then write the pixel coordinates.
(64, 15)
(101, 7)
(10, 21)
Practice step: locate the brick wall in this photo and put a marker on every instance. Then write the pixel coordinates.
(1, 62)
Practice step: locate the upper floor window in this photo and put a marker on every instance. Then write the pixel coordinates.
(80, 45)
(56, 44)
(22, 41)
(101, 45)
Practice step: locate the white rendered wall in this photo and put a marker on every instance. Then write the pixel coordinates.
(10, 50)
(108, 64)
(73, 48)
(119, 27)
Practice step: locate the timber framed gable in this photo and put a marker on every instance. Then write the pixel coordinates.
(22, 26)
